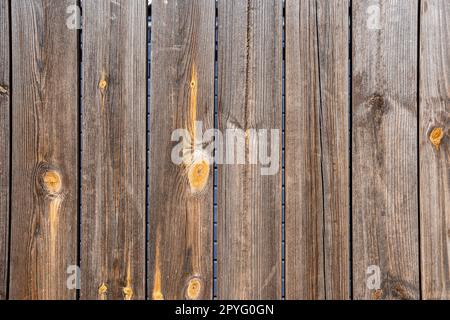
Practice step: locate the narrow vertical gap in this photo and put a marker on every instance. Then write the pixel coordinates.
(214, 287)
(283, 172)
(321, 146)
(80, 145)
(11, 88)
(419, 27)
(147, 149)
(350, 146)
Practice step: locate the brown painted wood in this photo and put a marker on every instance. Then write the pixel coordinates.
(435, 148)
(384, 137)
(4, 142)
(317, 150)
(44, 192)
(114, 150)
(249, 97)
(181, 193)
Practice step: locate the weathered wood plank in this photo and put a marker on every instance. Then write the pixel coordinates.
(44, 192)
(4, 143)
(317, 150)
(114, 148)
(181, 193)
(435, 148)
(384, 137)
(249, 98)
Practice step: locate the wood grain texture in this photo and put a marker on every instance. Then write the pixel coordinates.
(435, 148)
(384, 137)
(317, 150)
(44, 192)
(249, 97)
(181, 193)
(114, 150)
(4, 143)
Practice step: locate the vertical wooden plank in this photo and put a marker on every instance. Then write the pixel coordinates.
(385, 172)
(45, 150)
(4, 143)
(114, 147)
(304, 190)
(181, 193)
(249, 97)
(317, 150)
(435, 148)
(333, 26)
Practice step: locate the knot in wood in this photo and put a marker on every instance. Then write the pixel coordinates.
(157, 295)
(102, 85)
(3, 90)
(198, 175)
(377, 295)
(52, 182)
(194, 288)
(377, 101)
(48, 180)
(127, 293)
(103, 289)
(436, 137)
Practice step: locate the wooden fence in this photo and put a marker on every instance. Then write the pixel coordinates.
(359, 91)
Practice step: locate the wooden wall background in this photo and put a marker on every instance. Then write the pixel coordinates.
(359, 89)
